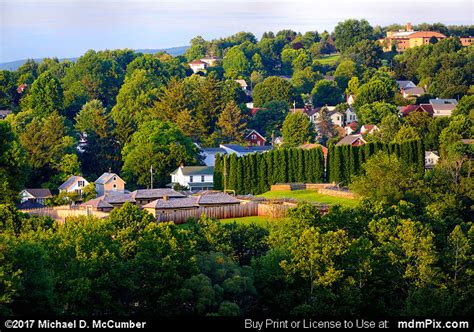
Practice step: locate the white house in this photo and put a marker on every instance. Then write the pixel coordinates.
(194, 177)
(443, 107)
(75, 184)
(431, 159)
(337, 118)
(211, 61)
(351, 128)
(369, 129)
(37, 195)
(209, 155)
(351, 116)
(197, 65)
(242, 84)
(350, 99)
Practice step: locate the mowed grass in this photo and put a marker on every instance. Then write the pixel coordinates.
(257, 220)
(310, 196)
(329, 59)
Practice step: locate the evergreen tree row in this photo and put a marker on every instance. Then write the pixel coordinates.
(345, 161)
(255, 173)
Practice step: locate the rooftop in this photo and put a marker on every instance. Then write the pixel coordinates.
(39, 192)
(195, 170)
(155, 193)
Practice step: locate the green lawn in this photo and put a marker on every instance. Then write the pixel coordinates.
(329, 59)
(310, 196)
(260, 221)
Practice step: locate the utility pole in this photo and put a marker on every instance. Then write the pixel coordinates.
(225, 174)
(151, 177)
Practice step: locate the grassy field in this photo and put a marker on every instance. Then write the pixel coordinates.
(329, 59)
(310, 196)
(260, 221)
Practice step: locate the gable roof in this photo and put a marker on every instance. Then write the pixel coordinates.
(118, 197)
(198, 62)
(439, 101)
(98, 202)
(242, 83)
(256, 132)
(69, 182)
(39, 192)
(353, 125)
(404, 84)
(428, 153)
(195, 170)
(29, 204)
(4, 113)
(416, 91)
(173, 203)
(104, 178)
(155, 193)
(246, 149)
(216, 198)
(426, 34)
(350, 139)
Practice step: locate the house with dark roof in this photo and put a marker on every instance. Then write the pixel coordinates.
(354, 140)
(169, 205)
(38, 195)
(108, 182)
(145, 196)
(194, 177)
(75, 184)
(241, 150)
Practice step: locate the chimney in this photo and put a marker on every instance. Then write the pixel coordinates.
(409, 27)
(181, 165)
(165, 198)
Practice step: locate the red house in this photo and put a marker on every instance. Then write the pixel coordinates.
(255, 138)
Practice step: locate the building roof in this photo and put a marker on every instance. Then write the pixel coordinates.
(467, 141)
(39, 192)
(443, 107)
(213, 150)
(428, 153)
(428, 108)
(104, 178)
(195, 170)
(155, 193)
(404, 84)
(242, 83)
(353, 125)
(29, 204)
(417, 91)
(426, 34)
(4, 113)
(98, 202)
(307, 146)
(251, 131)
(369, 127)
(438, 101)
(216, 198)
(69, 182)
(173, 203)
(246, 149)
(350, 139)
(197, 62)
(118, 197)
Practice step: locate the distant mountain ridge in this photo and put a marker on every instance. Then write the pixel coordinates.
(174, 51)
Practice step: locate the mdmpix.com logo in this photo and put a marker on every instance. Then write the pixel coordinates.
(432, 324)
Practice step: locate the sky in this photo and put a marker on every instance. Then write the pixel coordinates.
(68, 28)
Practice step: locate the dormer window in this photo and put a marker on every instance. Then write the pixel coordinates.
(115, 178)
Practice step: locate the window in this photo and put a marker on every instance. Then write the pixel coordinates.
(80, 183)
(115, 179)
(191, 178)
(254, 136)
(115, 187)
(202, 178)
(78, 191)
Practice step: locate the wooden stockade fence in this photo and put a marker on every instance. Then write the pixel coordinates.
(60, 213)
(218, 212)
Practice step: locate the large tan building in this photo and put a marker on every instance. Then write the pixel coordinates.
(408, 38)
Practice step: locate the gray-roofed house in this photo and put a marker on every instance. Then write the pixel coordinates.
(97, 204)
(443, 107)
(4, 114)
(166, 205)
(194, 177)
(412, 92)
(354, 140)
(108, 182)
(405, 85)
(75, 183)
(38, 195)
(216, 199)
(145, 196)
(112, 198)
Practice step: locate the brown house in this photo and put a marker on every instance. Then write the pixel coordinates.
(108, 182)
